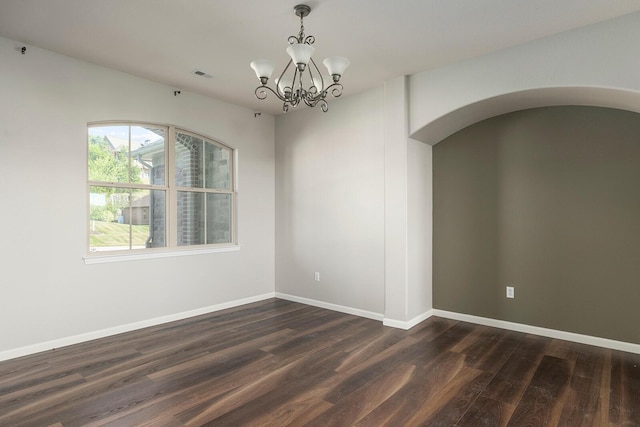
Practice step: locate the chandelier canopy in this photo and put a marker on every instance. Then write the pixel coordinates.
(301, 80)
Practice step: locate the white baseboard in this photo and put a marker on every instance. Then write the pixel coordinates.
(408, 324)
(329, 306)
(519, 327)
(62, 342)
(536, 330)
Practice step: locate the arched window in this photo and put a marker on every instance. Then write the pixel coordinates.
(154, 186)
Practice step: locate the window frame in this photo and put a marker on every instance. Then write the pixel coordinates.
(171, 247)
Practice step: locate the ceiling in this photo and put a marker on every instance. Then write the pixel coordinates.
(166, 40)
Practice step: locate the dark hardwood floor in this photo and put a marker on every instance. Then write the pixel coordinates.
(281, 363)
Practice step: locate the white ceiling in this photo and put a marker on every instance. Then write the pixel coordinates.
(166, 40)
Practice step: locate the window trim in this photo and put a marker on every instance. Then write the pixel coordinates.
(171, 189)
(152, 253)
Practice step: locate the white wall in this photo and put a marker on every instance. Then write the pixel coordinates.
(408, 214)
(396, 123)
(47, 293)
(420, 228)
(353, 202)
(595, 65)
(330, 203)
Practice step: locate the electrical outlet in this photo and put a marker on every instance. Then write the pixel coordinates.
(316, 276)
(510, 292)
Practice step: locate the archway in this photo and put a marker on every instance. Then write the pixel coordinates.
(436, 130)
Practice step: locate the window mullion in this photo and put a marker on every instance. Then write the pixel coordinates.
(234, 196)
(172, 208)
(130, 209)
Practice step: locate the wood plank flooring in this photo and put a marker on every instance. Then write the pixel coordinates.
(279, 363)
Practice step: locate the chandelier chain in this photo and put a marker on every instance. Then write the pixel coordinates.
(301, 33)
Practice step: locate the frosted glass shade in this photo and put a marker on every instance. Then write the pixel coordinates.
(284, 83)
(263, 68)
(336, 65)
(300, 53)
(317, 82)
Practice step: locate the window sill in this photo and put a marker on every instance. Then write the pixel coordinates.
(101, 259)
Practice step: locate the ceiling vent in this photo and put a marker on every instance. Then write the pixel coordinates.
(202, 74)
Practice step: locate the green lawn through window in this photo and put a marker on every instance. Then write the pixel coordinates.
(105, 234)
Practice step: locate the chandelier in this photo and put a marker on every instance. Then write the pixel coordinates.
(301, 80)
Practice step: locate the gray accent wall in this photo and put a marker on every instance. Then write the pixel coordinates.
(546, 200)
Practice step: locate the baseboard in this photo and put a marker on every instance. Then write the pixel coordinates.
(76, 339)
(408, 324)
(536, 330)
(329, 306)
(519, 327)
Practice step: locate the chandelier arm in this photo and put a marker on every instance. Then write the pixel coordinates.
(310, 100)
(293, 101)
(281, 90)
(301, 92)
(261, 93)
(336, 89)
(317, 89)
(295, 93)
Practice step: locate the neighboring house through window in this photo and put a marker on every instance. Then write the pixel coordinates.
(153, 186)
